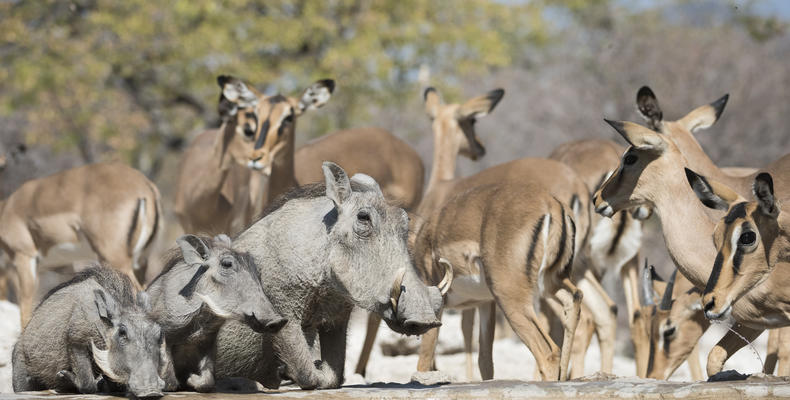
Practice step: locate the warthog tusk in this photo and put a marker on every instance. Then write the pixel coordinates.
(102, 359)
(447, 280)
(396, 289)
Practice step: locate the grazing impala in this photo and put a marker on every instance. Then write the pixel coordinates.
(220, 187)
(613, 245)
(525, 250)
(111, 206)
(651, 171)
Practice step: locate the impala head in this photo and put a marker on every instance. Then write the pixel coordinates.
(675, 328)
(682, 129)
(652, 150)
(642, 167)
(747, 240)
(264, 125)
(454, 124)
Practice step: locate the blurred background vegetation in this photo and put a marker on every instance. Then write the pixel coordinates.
(91, 80)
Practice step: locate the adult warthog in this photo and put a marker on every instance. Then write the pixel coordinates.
(203, 284)
(321, 250)
(94, 322)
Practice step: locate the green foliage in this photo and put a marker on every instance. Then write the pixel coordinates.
(129, 76)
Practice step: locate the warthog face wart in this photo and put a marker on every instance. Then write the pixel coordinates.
(370, 255)
(134, 347)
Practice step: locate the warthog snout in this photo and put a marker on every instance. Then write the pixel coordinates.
(414, 327)
(265, 325)
(146, 384)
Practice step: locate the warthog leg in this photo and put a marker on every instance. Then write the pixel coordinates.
(81, 376)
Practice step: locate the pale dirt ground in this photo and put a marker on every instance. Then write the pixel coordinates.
(512, 361)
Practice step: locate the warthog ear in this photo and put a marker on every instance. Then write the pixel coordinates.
(763, 189)
(106, 307)
(223, 239)
(432, 102)
(647, 104)
(235, 94)
(193, 249)
(366, 183)
(711, 193)
(338, 187)
(316, 95)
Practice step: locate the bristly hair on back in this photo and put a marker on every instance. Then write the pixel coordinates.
(118, 285)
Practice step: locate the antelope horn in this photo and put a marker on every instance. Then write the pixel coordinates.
(396, 289)
(447, 280)
(647, 285)
(666, 300)
(102, 359)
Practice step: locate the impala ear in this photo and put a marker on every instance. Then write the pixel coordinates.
(316, 95)
(711, 193)
(338, 187)
(647, 104)
(480, 106)
(432, 102)
(763, 189)
(705, 116)
(235, 95)
(638, 136)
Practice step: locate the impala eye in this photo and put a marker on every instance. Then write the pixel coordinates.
(288, 119)
(747, 238)
(248, 131)
(630, 159)
(669, 332)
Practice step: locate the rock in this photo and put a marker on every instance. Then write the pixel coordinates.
(596, 377)
(429, 378)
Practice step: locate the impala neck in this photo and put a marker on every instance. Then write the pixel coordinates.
(699, 161)
(442, 173)
(686, 227)
(282, 177)
(221, 154)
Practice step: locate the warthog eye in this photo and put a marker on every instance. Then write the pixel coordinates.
(226, 263)
(363, 216)
(747, 238)
(123, 335)
(630, 159)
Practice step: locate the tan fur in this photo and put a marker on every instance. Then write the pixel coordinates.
(225, 181)
(503, 217)
(592, 159)
(97, 202)
(657, 179)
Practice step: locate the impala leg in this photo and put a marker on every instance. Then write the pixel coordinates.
(783, 359)
(604, 313)
(485, 360)
(27, 284)
(467, 328)
(628, 277)
(638, 321)
(570, 297)
(370, 337)
(728, 345)
(525, 323)
(695, 368)
(771, 351)
(581, 342)
(427, 356)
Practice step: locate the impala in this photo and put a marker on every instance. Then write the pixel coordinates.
(651, 172)
(115, 208)
(223, 168)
